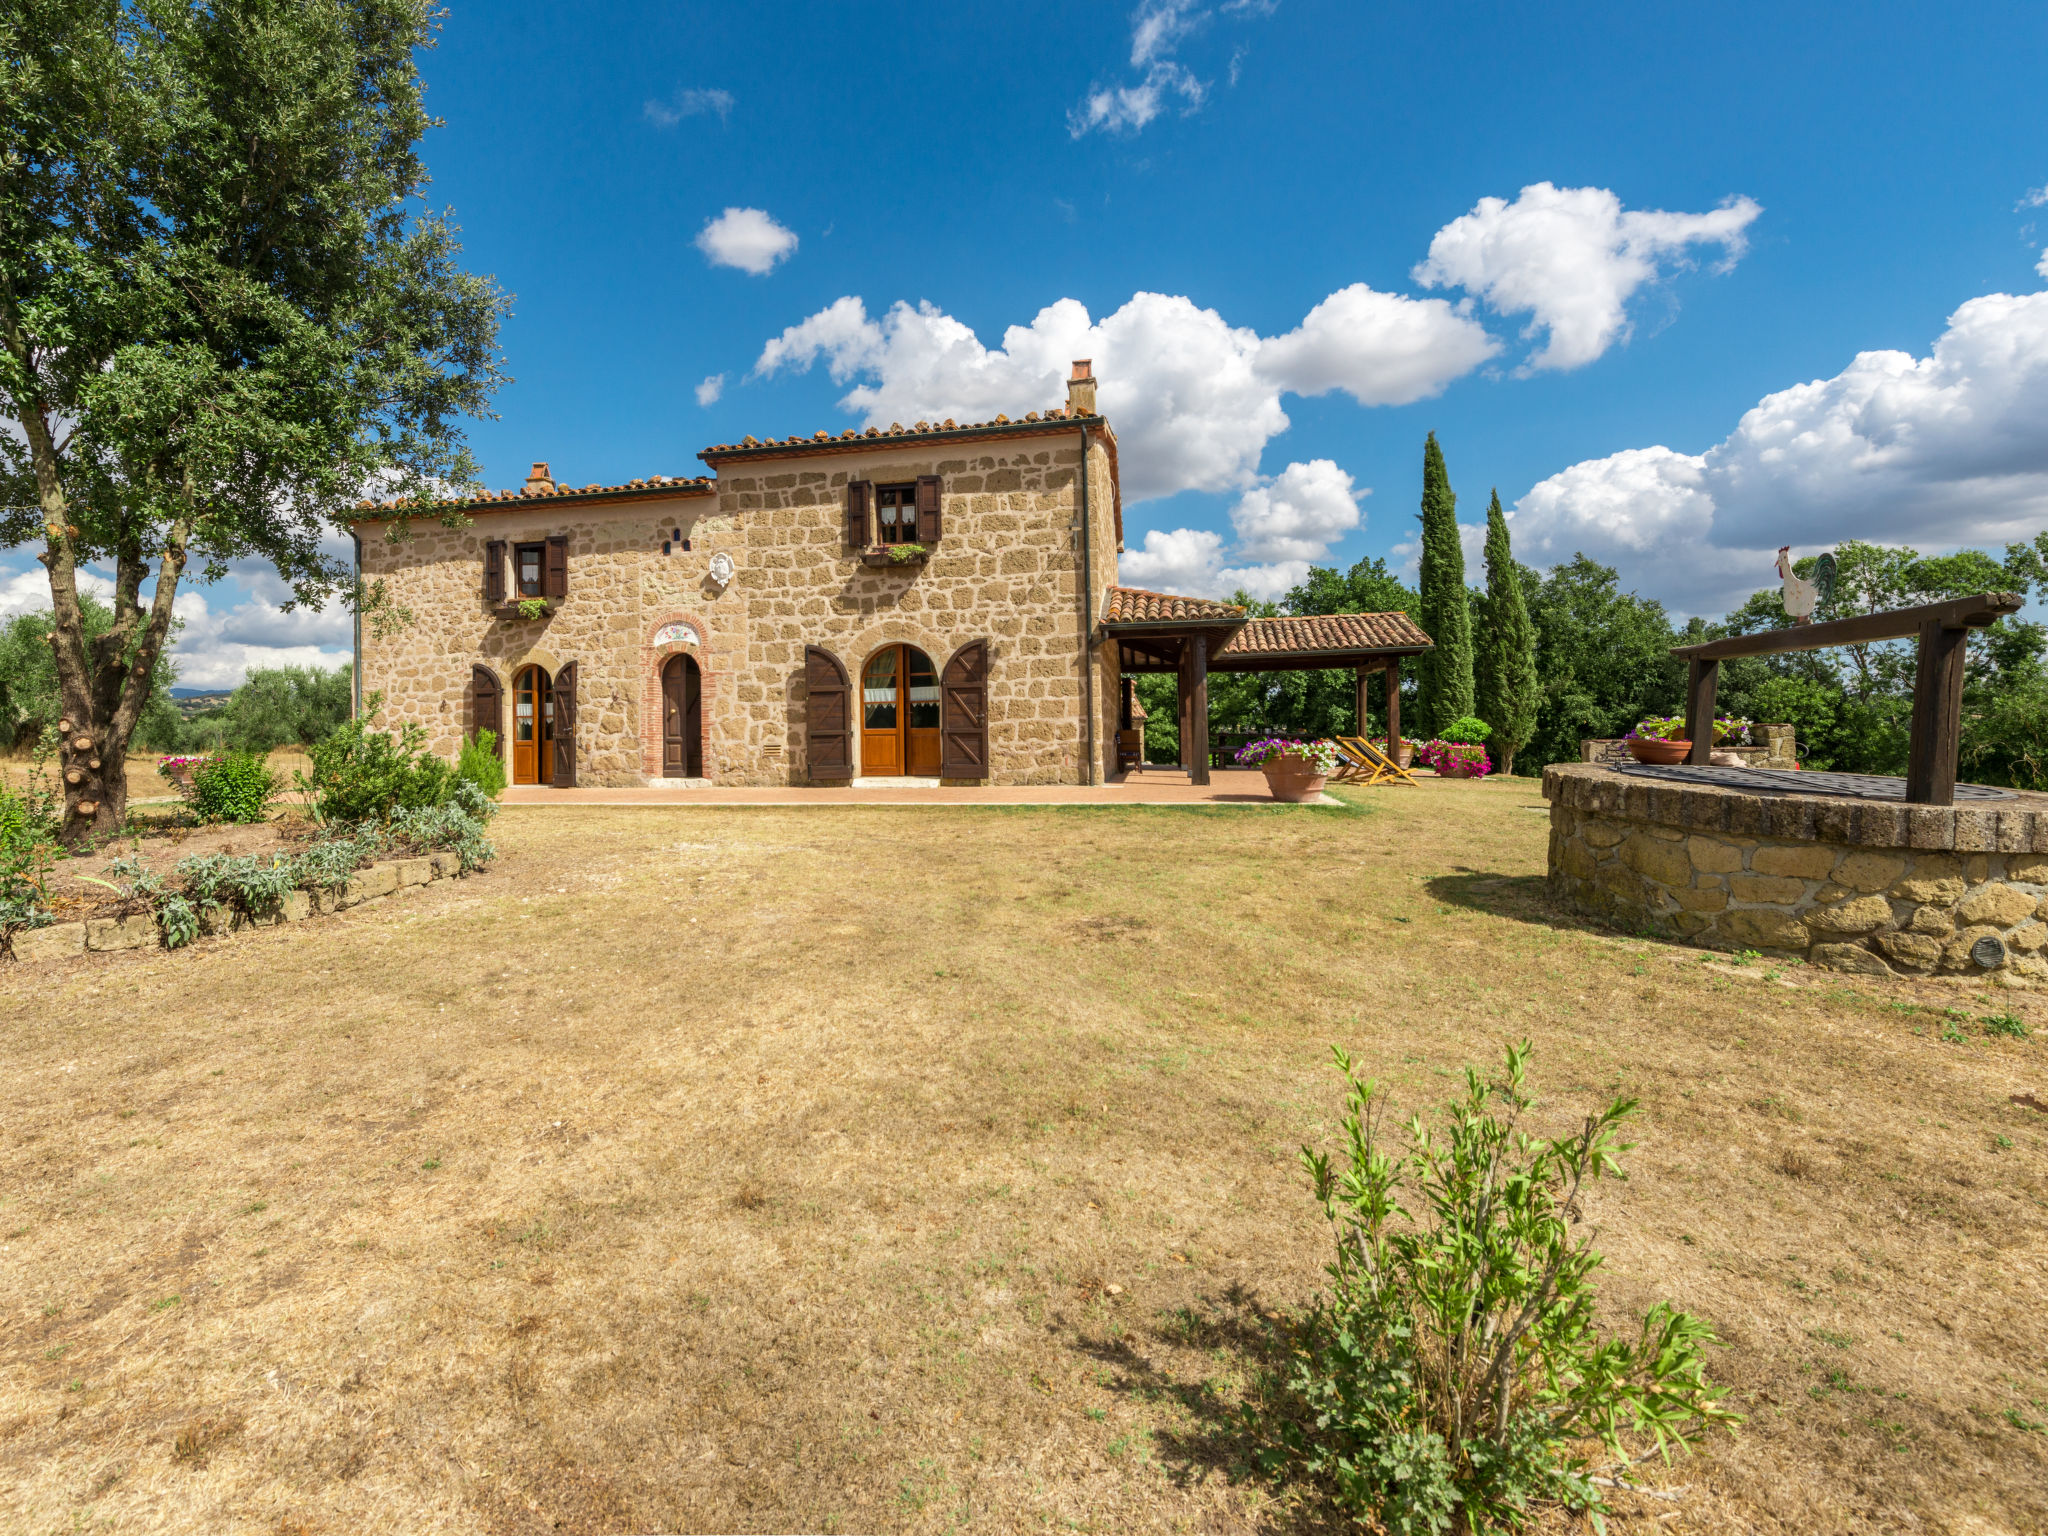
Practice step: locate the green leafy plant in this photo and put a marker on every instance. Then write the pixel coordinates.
(234, 786)
(481, 763)
(532, 607)
(28, 850)
(903, 554)
(1452, 1373)
(2007, 1023)
(1469, 731)
(360, 774)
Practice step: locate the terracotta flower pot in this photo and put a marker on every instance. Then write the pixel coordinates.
(1645, 750)
(1452, 768)
(1405, 757)
(1293, 781)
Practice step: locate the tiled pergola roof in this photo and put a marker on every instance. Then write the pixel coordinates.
(1391, 633)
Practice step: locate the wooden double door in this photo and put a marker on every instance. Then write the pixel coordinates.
(682, 719)
(533, 726)
(899, 735)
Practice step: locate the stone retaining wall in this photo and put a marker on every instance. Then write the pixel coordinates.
(370, 883)
(1876, 888)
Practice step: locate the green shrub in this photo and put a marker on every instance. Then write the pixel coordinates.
(234, 786)
(481, 765)
(28, 849)
(1467, 730)
(364, 775)
(1453, 1371)
(239, 883)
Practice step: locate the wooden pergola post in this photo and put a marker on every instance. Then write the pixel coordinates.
(1704, 674)
(1363, 673)
(1394, 708)
(1183, 691)
(1937, 714)
(1198, 709)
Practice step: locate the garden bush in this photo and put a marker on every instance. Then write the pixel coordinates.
(361, 774)
(1467, 731)
(1452, 1374)
(234, 786)
(28, 849)
(480, 763)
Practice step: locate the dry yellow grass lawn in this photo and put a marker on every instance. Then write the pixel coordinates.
(770, 1170)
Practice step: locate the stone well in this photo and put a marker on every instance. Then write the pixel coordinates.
(1877, 887)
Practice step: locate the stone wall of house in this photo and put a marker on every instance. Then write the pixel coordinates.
(1876, 888)
(622, 589)
(1006, 569)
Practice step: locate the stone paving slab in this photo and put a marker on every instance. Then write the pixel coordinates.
(1228, 786)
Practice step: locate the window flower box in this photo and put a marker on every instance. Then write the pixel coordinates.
(895, 554)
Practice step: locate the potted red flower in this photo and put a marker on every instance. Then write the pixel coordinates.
(1295, 771)
(1460, 753)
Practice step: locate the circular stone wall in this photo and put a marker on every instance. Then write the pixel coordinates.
(1855, 885)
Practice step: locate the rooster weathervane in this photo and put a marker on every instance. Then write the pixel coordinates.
(1803, 597)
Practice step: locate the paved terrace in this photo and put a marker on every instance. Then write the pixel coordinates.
(1149, 786)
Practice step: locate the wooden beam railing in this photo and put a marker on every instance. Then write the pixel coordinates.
(1943, 630)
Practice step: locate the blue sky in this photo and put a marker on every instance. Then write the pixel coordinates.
(1649, 341)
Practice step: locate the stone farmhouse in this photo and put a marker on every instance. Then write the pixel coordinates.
(937, 602)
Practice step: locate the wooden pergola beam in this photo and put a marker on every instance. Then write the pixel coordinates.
(1899, 624)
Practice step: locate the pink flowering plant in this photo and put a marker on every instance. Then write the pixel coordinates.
(1455, 757)
(1672, 728)
(1314, 756)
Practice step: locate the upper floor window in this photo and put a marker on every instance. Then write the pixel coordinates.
(529, 569)
(896, 514)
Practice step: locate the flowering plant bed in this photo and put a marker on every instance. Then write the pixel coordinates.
(1455, 759)
(1727, 729)
(179, 770)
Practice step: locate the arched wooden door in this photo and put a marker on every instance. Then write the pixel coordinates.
(899, 692)
(682, 719)
(533, 727)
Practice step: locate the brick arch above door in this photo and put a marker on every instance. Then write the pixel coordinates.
(713, 685)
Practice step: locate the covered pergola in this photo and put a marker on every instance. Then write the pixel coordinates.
(1192, 637)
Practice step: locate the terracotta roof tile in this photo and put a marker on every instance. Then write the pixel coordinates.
(1134, 605)
(1327, 632)
(825, 441)
(663, 485)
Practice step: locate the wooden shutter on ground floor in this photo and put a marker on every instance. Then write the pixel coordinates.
(487, 704)
(828, 716)
(494, 570)
(860, 496)
(555, 577)
(928, 526)
(963, 713)
(565, 727)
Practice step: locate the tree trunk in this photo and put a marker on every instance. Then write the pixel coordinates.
(103, 684)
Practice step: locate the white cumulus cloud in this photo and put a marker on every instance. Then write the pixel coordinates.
(746, 238)
(1193, 398)
(1282, 525)
(1571, 258)
(709, 391)
(690, 103)
(1938, 452)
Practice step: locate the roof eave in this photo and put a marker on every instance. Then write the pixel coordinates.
(523, 503)
(814, 448)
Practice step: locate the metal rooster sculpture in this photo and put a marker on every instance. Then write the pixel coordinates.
(1802, 596)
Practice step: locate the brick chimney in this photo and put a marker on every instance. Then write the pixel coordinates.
(1081, 389)
(538, 483)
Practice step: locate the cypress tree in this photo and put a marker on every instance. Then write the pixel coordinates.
(1445, 688)
(1506, 665)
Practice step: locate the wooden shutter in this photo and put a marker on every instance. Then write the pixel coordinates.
(494, 571)
(555, 574)
(486, 704)
(860, 495)
(963, 713)
(565, 725)
(928, 529)
(828, 716)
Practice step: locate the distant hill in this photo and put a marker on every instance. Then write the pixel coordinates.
(201, 693)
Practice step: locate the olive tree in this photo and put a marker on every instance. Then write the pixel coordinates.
(224, 314)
